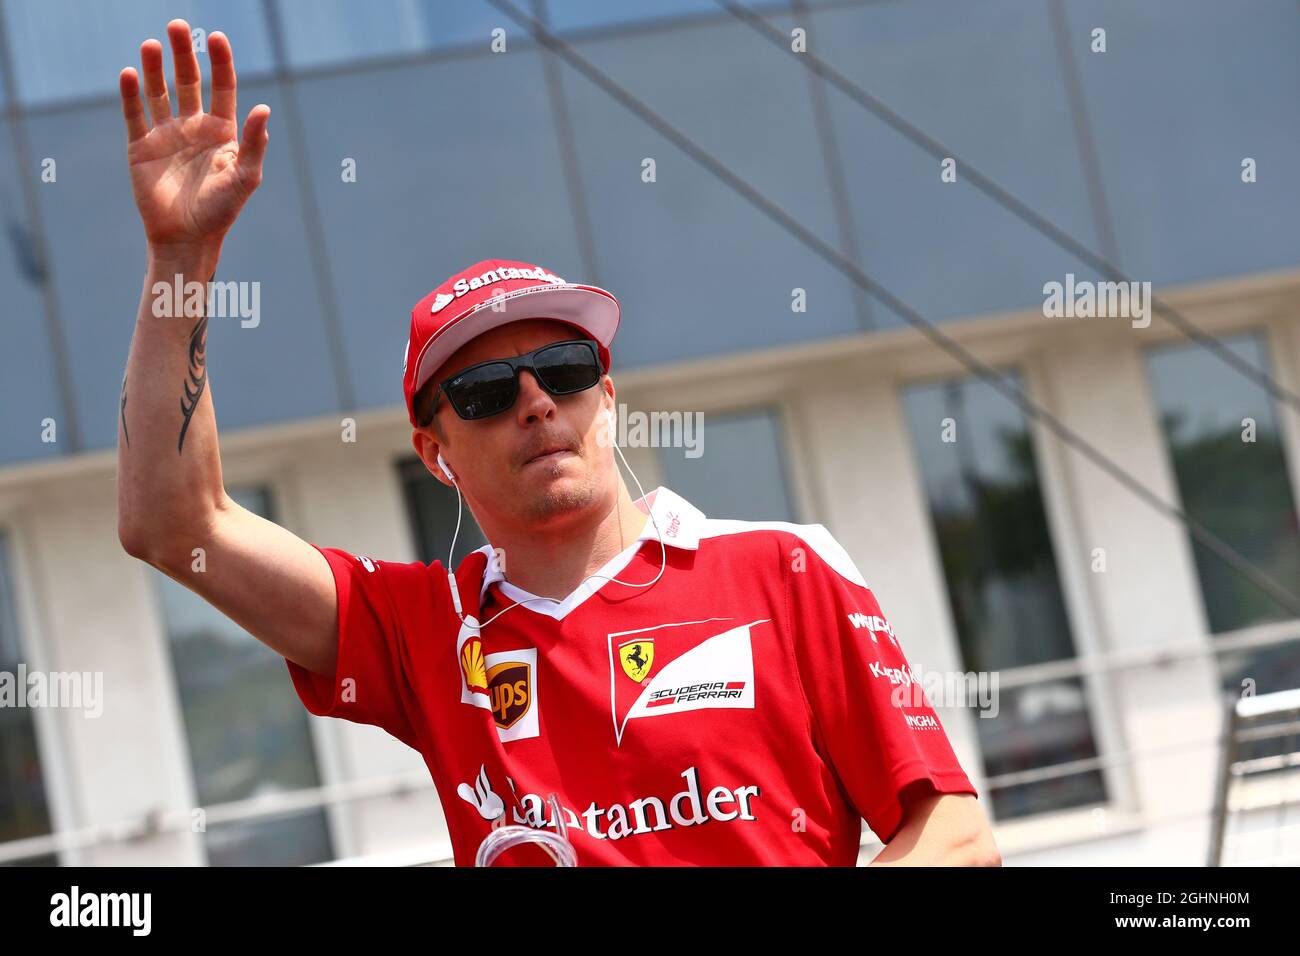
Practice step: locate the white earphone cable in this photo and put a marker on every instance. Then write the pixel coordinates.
(451, 575)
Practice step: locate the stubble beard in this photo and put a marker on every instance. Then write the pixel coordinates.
(556, 494)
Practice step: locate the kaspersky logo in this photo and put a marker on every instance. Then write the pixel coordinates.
(895, 675)
(463, 285)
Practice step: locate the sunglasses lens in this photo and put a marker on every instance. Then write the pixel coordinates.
(568, 367)
(483, 391)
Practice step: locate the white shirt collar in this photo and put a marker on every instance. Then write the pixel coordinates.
(680, 522)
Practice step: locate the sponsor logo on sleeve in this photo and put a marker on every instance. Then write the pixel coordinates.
(874, 625)
(895, 675)
(921, 721)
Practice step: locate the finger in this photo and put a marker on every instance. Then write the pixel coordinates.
(128, 84)
(223, 76)
(155, 84)
(189, 82)
(252, 148)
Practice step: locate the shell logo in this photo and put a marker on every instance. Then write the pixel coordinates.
(473, 666)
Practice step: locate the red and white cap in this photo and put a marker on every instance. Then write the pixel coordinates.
(489, 294)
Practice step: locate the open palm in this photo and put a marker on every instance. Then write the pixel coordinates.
(190, 173)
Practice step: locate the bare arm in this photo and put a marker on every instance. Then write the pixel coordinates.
(941, 829)
(191, 176)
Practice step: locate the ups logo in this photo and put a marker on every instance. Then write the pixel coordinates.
(510, 690)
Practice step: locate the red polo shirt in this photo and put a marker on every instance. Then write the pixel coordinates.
(742, 711)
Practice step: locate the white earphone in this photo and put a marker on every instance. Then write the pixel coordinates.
(446, 470)
(451, 575)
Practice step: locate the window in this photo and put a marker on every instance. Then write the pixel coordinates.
(431, 507)
(1230, 464)
(977, 463)
(69, 49)
(286, 330)
(738, 278)
(319, 32)
(27, 365)
(23, 808)
(427, 142)
(739, 472)
(1175, 176)
(566, 15)
(947, 249)
(1230, 480)
(630, 15)
(248, 735)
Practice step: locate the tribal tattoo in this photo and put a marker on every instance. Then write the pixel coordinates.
(125, 433)
(198, 377)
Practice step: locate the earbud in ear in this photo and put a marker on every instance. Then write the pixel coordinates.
(613, 428)
(443, 465)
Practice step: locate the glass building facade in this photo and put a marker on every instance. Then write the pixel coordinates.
(461, 153)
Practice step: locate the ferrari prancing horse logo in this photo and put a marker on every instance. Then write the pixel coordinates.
(637, 656)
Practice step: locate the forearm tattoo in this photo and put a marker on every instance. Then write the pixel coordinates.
(125, 433)
(197, 378)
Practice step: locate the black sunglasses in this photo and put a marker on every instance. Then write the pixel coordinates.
(491, 387)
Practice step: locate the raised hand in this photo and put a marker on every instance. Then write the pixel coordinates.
(191, 173)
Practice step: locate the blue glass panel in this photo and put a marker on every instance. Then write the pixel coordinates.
(29, 384)
(987, 83)
(699, 270)
(1181, 96)
(441, 182)
(278, 369)
(67, 49)
(330, 31)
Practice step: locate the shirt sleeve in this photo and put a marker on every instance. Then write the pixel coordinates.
(873, 723)
(369, 685)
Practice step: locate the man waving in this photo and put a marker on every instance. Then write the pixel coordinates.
(692, 690)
